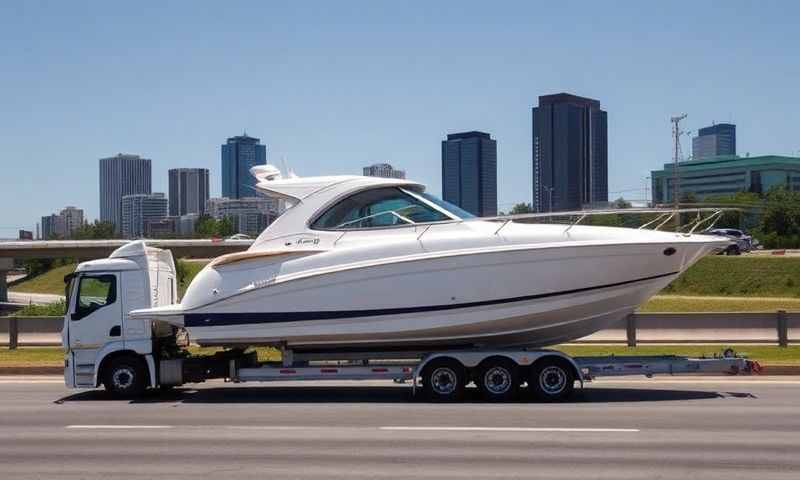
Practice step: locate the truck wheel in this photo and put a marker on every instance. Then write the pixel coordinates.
(498, 380)
(551, 380)
(443, 380)
(125, 377)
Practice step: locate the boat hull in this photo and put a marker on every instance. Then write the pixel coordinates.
(521, 298)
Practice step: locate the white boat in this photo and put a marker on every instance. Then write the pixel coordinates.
(364, 262)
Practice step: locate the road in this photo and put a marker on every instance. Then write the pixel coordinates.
(688, 427)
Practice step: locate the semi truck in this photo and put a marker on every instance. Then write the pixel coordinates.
(104, 345)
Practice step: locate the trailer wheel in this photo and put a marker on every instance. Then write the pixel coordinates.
(498, 379)
(443, 380)
(125, 377)
(551, 379)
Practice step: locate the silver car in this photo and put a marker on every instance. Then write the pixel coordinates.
(744, 242)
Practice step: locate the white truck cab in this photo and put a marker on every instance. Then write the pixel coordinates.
(102, 344)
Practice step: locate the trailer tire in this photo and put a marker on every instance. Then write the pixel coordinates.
(551, 379)
(125, 377)
(498, 379)
(444, 380)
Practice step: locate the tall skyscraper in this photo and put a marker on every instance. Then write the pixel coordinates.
(570, 153)
(469, 172)
(119, 176)
(714, 141)
(239, 154)
(188, 191)
(140, 209)
(383, 170)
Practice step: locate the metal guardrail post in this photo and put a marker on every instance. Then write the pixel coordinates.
(630, 327)
(783, 329)
(13, 333)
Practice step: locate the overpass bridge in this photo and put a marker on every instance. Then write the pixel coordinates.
(90, 249)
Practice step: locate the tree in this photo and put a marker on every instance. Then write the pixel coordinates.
(225, 227)
(99, 230)
(781, 212)
(205, 226)
(521, 208)
(621, 203)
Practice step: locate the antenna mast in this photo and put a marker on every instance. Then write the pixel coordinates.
(676, 138)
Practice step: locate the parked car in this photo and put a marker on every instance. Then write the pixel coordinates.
(744, 242)
(239, 236)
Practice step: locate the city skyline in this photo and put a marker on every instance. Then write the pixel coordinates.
(333, 98)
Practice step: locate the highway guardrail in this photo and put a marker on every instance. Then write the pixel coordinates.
(781, 328)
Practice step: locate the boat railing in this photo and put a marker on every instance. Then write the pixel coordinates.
(705, 217)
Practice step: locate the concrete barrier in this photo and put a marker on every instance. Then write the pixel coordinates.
(779, 328)
(33, 330)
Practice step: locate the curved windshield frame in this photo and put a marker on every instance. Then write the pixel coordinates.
(387, 207)
(452, 210)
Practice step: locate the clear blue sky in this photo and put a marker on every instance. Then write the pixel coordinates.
(333, 86)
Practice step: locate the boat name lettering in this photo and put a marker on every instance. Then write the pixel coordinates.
(308, 241)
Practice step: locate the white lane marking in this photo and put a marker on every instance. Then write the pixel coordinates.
(117, 427)
(30, 382)
(710, 381)
(281, 427)
(513, 429)
(384, 428)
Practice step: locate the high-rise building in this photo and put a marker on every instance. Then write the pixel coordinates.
(383, 170)
(239, 154)
(52, 227)
(119, 176)
(714, 141)
(469, 172)
(250, 215)
(188, 191)
(62, 225)
(140, 209)
(73, 219)
(570, 153)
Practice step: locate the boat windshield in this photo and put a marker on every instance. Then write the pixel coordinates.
(449, 207)
(383, 207)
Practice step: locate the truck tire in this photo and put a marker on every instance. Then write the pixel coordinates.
(444, 380)
(125, 377)
(551, 379)
(498, 379)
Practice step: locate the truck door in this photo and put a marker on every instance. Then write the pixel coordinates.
(94, 320)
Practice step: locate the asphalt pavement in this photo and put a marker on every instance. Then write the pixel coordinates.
(676, 427)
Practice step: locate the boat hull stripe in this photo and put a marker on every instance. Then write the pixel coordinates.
(221, 319)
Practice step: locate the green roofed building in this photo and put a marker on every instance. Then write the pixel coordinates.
(726, 175)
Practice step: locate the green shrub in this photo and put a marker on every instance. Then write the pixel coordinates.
(57, 309)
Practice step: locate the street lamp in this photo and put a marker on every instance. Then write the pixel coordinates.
(549, 197)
